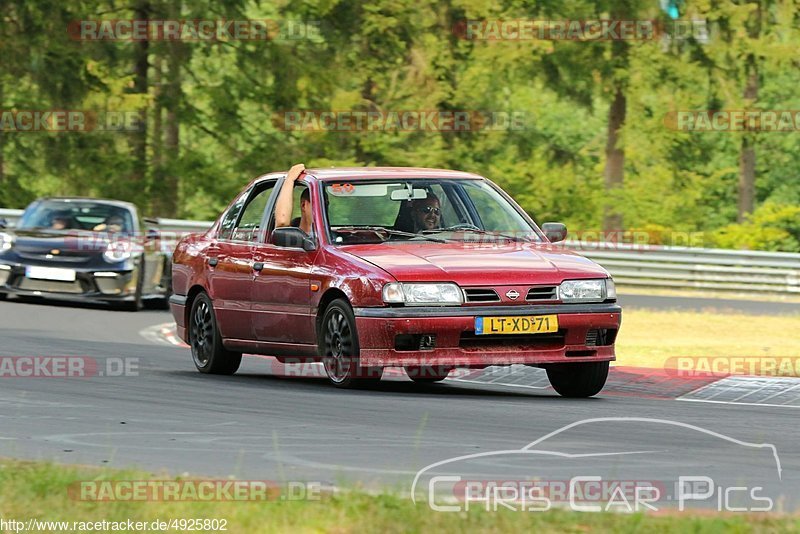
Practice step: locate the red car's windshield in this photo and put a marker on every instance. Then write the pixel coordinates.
(421, 210)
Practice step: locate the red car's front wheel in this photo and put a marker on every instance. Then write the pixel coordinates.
(339, 344)
(582, 379)
(427, 374)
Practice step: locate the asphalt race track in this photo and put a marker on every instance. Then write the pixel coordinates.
(166, 417)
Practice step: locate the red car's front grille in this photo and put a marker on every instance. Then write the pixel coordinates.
(481, 294)
(484, 295)
(542, 293)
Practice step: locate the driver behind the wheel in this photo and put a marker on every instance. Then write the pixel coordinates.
(426, 213)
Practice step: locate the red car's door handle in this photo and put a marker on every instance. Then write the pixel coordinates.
(257, 266)
(213, 261)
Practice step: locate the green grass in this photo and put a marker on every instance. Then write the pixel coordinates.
(37, 489)
(653, 338)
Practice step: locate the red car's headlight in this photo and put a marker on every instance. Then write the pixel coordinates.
(423, 294)
(592, 290)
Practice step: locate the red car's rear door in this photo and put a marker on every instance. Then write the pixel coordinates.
(231, 270)
(231, 280)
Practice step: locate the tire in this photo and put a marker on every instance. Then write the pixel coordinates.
(161, 303)
(578, 380)
(426, 374)
(136, 303)
(339, 349)
(208, 354)
(3, 296)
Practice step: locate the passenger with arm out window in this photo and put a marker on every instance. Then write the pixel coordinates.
(283, 205)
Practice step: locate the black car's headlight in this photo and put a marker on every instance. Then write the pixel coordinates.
(592, 290)
(6, 241)
(118, 251)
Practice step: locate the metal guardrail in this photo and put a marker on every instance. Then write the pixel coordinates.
(645, 265)
(10, 216)
(696, 268)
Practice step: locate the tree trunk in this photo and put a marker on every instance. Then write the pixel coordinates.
(368, 99)
(747, 157)
(157, 139)
(168, 201)
(3, 186)
(615, 160)
(138, 140)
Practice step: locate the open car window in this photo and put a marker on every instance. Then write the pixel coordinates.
(248, 226)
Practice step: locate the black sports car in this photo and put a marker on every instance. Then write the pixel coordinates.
(84, 249)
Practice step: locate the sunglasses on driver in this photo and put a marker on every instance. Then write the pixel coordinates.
(427, 209)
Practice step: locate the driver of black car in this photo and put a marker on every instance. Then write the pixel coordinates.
(113, 224)
(59, 222)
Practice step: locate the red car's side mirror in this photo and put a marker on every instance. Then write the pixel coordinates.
(291, 237)
(554, 231)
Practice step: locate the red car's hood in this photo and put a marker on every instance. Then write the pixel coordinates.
(514, 263)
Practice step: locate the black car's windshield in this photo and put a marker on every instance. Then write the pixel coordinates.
(72, 215)
(420, 209)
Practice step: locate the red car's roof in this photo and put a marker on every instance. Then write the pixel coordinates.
(371, 173)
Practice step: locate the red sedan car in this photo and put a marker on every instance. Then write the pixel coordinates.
(417, 268)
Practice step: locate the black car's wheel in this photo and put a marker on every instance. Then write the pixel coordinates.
(162, 304)
(425, 374)
(339, 345)
(136, 303)
(207, 351)
(578, 379)
(3, 296)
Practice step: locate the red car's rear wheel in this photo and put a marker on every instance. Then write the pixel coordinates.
(207, 351)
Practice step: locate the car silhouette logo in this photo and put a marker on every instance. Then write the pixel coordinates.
(512, 294)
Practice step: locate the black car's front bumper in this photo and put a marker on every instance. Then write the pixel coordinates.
(89, 285)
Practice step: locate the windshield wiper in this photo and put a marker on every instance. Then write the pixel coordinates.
(388, 231)
(466, 227)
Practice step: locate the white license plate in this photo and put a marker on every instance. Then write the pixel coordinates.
(50, 273)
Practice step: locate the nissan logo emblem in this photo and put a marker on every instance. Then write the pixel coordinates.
(513, 295)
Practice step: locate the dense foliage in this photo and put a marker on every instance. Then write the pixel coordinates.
(211, 107)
